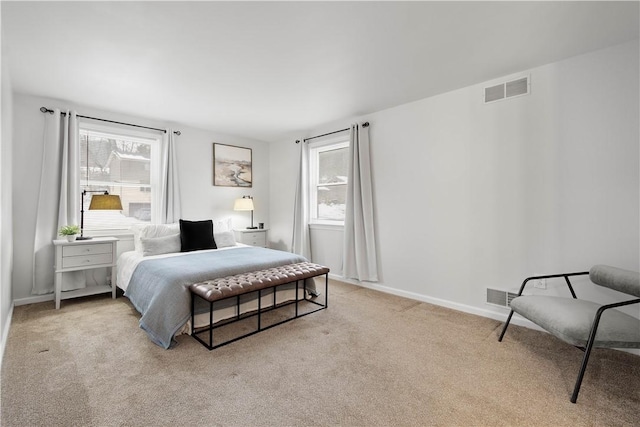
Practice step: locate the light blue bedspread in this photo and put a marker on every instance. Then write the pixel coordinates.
(159, 287)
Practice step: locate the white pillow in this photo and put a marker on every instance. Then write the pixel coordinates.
(222, 225)
(160, 245)
(224, 239)
(152, 230)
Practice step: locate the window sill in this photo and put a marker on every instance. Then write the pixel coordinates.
(325, 226)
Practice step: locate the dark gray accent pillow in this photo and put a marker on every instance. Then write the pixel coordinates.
(196, 235)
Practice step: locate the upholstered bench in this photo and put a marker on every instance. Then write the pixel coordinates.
(234, 286)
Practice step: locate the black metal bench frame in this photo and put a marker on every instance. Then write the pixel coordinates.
(210, 346)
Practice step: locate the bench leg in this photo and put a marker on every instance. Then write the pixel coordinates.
(259, 308)
(193, 324)
(210, 325)
(297, 298)
(326, 290)
(193, 313)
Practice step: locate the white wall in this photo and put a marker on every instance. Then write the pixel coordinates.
(6, 238)
(327, 246)
(200, 199)
(543, 183)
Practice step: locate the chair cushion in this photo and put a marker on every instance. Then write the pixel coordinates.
(571, 320)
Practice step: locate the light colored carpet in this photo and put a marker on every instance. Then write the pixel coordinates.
(369, 359)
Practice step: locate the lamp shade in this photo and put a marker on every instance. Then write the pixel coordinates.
(244, 204)
(106, 202)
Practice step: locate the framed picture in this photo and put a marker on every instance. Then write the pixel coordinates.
(231, 166)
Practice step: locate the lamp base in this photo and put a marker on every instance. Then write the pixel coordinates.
(252, 228)
(84, 238)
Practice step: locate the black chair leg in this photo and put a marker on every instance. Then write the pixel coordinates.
(583, 368)
(506, 325)
(587, 353)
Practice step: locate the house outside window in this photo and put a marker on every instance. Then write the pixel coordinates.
(122, 163)
(328, 165)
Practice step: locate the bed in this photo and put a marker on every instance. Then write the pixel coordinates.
(156, 275)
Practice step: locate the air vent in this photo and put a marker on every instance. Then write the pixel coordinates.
(499, 297)
(510, 297)
(507, 90)
(494, 93)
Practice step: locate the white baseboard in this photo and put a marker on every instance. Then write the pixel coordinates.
(5, 332)
(34, 299)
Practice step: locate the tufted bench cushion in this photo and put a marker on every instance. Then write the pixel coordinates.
(225, 287)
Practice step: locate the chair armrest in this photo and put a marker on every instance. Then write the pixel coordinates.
(554, 276)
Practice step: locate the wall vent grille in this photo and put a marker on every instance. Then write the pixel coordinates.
(499, 297)
(494, 93)
(512, 88)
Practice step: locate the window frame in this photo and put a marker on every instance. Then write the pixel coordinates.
(154, 139)
(315, 148)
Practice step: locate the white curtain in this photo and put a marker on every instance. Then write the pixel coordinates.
(301, 243)
(58, 197)
(170, 188)
(359, 252)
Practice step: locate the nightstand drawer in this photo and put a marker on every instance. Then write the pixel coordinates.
(253, 237)
(87, 260)
(93, 249)
(256, 239)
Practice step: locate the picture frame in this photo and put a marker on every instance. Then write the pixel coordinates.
(232, 166)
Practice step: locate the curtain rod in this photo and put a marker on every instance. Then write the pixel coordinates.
(364, 125)
(46, 110)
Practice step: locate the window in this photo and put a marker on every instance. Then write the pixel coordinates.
(328, 164)
(126, 164)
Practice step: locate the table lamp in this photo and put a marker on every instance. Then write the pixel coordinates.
(245, 204)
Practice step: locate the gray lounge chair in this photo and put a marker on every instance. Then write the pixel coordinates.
(584, 324)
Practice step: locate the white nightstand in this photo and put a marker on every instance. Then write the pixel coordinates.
(98, 252)
(253, 237)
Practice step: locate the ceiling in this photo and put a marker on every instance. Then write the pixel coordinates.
(267, 70)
